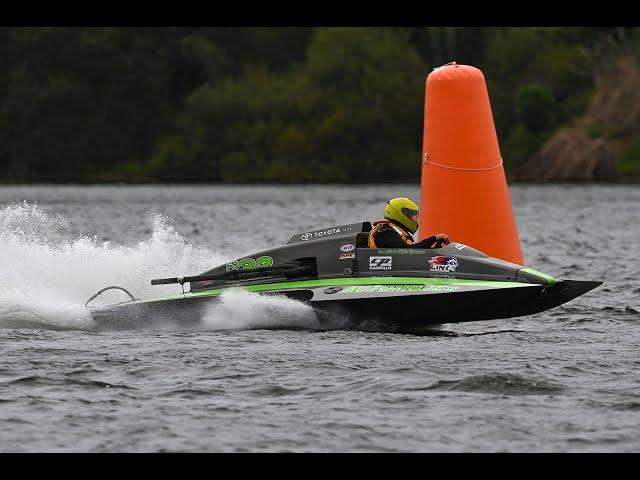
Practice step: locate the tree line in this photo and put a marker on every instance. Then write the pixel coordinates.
(329, 104)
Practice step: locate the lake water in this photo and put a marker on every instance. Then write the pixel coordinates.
(258, 376)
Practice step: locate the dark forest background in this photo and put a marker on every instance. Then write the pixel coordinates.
(305, 104)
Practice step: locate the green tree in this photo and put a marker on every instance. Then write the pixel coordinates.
(534, 107)
(552, 58)
(275, 104)
(79, 101)
(365, 88)
(351, 111)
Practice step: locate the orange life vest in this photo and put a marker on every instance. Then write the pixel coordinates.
(405, 235)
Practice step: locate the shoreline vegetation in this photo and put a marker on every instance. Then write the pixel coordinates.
(623, 181)
(306, 105)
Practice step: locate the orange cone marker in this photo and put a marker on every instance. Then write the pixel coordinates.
(464, 189)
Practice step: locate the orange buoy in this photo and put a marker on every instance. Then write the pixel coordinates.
(464, 189)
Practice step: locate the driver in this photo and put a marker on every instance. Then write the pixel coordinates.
(399, 223)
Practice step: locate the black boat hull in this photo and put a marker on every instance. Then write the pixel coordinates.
(392, 311)
(410, 312)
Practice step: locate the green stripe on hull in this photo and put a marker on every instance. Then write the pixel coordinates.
(329, 282)
(547, 278)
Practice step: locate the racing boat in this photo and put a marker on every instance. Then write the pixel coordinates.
(334, 271)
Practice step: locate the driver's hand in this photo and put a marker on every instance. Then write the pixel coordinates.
(444, 237)
(440, 239)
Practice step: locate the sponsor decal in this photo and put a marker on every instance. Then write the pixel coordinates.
(321, 233)
(401, 251)
(249, 263)
(459, 246)
(399, 288)
(380, 263)
(347, 247)
(345, 256)
(331, 290)
(443, 264)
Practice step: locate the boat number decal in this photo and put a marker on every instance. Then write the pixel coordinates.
(347, 247)
(380, 263)
(399, 288)
(345, 256)
(322, 233)
(443, 264)
(250, 263)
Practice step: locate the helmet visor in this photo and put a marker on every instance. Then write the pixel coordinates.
(411, 214)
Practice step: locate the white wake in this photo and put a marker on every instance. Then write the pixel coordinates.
(48, 270)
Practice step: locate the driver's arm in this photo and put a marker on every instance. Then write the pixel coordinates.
(426, 243)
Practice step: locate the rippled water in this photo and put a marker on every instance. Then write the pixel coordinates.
(258, 376)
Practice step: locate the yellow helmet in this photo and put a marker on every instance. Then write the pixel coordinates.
(404, 211)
